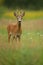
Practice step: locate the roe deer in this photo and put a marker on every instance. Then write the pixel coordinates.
(15, 30)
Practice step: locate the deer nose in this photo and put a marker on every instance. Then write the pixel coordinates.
(19, 21)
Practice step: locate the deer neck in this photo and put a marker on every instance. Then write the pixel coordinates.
(19, 25)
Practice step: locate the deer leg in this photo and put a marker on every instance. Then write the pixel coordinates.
(19, 43)
(13, 38)
(9, 37)
(19, 38)
(16, 39)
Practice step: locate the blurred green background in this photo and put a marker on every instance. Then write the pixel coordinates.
(31, 46)
(24, 4)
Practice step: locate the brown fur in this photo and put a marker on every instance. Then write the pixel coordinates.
(15, 29)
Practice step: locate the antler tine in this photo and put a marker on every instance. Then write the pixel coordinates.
(16, 12)
(22, 12)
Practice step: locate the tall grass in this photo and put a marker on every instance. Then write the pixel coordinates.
(31, 51)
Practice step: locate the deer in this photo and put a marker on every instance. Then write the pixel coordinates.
(15, 30)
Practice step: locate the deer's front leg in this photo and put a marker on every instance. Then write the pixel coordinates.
(19, 42)
(9, 37)
(18, 36)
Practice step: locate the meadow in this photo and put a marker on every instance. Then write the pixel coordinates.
(31, 45)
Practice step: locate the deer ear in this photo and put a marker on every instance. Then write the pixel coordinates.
(14, 14)
(23, 13)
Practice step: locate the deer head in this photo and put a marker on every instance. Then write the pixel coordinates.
(19, 16)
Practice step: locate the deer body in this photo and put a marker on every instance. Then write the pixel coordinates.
(15, 29)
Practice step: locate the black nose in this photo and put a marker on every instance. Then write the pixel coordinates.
(19, 21)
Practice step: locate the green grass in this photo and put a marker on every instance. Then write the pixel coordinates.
(31, 52)
(22, 57)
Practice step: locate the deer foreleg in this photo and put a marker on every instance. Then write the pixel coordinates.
(9, 37)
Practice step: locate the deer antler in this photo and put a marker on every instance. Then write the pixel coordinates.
(16, 13)
(22, 13)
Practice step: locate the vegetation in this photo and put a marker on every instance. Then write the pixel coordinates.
(25, 4)
(5, 13)
(30, 53)
(31, 46)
